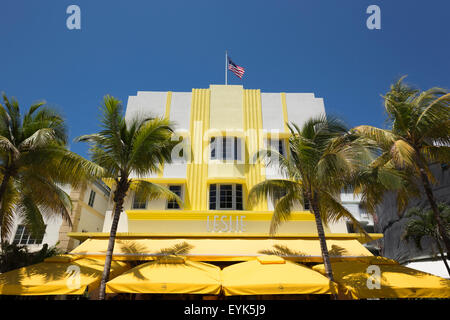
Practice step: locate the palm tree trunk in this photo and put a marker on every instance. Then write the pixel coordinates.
(119, 197)
(434, 207)
(443, 256)
(322, 241)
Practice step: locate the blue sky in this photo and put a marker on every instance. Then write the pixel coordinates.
(292, 46)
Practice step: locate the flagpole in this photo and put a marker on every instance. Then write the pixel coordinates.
(226, 67)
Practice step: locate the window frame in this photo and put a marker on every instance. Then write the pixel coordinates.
(231, 150)
(92, 198)
(236, 189)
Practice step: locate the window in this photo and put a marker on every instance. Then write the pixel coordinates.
(91, 198)
(139, 202)
(277, 145)
(23, 236)
(172, 204)
(225, 197)
(225, 148)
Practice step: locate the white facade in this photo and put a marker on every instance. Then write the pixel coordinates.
(85, 218)
(352, 203)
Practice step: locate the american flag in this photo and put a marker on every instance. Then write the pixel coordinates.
(239, 71)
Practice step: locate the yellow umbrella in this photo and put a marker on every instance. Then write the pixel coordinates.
(59, 275)
(381, 278)
(273, 275)
(170, 276)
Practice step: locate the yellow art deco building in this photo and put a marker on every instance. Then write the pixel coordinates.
(220, 129)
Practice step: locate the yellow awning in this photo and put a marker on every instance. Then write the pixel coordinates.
(360, 280)
(193, 215)
(66, 275)
(187, 277)
(224, 249)
(261, 276)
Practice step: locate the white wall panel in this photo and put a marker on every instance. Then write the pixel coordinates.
(302, 106)
(272, 111)
(180, 110)
(145, 104)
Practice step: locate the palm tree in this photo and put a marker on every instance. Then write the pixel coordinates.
(423, 224)
(322, 158)
(34, 164)
(124, 148)
(419, 135)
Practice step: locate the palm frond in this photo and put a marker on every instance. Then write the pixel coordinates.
(51, 199)
(151, 145)
(39, 138)
(8, 148)
(272, 189)
(436, 154)
(75, 170)
(7, 211)
(436, 109)
(282, 210)
(45, 118)
(403, 154)
(60, 164)
(31, 216)
(13, 117)
(333, 211)
(114, 127)
(152, 191)
(33, 108)
(383, 138)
